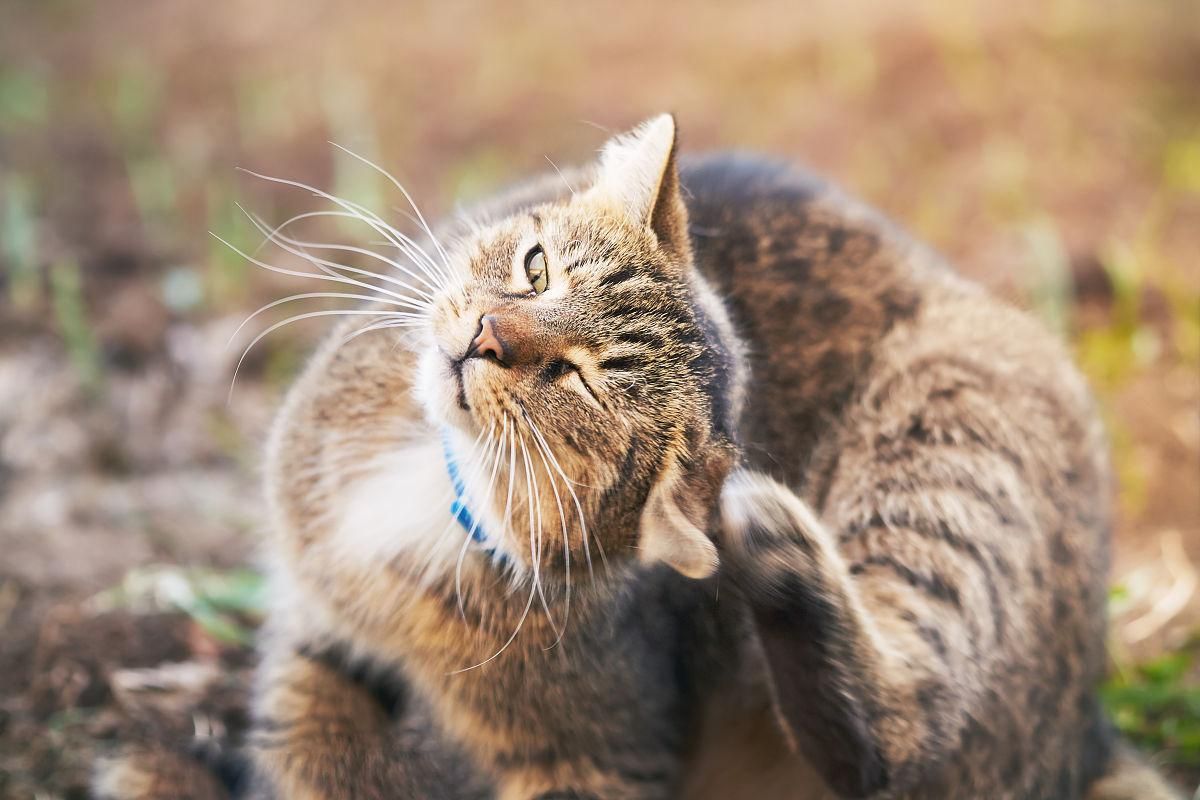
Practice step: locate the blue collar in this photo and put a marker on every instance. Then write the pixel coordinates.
(458, 508)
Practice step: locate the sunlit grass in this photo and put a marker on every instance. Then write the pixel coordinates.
(18, 239)
(74, 326)
(227, 603)
(1157, 704)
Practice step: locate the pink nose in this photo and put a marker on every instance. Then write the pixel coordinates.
(487, 342)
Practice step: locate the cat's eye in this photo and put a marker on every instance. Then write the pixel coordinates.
(535, 269)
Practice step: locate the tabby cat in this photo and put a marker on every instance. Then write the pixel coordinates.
(690, 481)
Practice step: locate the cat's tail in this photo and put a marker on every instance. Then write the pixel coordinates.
(1131, 777)
(150, 773)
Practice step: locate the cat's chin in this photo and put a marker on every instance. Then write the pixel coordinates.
(450, 397)
(454, 418)
(440, 395)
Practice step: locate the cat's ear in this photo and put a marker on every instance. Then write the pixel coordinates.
(679, 511)
(639, 175)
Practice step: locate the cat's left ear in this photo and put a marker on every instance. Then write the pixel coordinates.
(679, 512)
(638, 173)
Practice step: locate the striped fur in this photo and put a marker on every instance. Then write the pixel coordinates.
(899, 483)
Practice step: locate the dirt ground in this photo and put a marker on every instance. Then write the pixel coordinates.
(1052, 150)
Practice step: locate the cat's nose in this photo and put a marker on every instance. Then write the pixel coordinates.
(487, 341)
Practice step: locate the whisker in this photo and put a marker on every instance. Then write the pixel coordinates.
(566, 183)
(350, 249)
(288, 321)
(462, 553)
(566, 538)
(574, 497)
(332, 268)
(371, 219)
(512, 466)
(535, 552)
(428, 231)
(399, 240)
(385, 324)
(312, 295)
(467, 459)
(326, 277)
(517, 630)
(405, 243)
(532, 590)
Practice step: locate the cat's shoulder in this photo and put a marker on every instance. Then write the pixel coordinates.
(745, 176)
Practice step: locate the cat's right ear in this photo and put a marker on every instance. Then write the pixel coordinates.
(670, 536)
(639, 176)
(679, 513)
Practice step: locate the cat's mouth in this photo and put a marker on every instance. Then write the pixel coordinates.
(469, 381)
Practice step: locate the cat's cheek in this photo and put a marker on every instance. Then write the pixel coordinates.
(581, 387)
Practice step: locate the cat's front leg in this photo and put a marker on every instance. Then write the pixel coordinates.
(872, 719)
(330, 728)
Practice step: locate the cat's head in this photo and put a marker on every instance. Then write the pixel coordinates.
(580, 352)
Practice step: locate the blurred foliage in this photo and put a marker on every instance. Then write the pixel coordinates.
(24, 98)
(1157, 704)
(1108, 353)
(18, 237)
(73, 324)
(227, 603)
(1049, 284)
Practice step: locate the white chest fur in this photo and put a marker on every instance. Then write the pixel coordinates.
(396, 510)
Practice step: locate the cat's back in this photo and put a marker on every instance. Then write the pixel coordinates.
(828, 296)
(813, 281)
(916, 413)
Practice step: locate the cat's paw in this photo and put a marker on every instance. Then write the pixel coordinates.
(765, 530)
(753, 509)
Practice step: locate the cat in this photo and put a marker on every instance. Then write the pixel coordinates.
(684, 478)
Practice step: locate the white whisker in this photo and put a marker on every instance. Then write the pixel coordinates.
(566, 183)
(566, 537)
(351, 249)
(371, 219)
(332, 268)
(535, 550)
(428, 231)
(312, 295)
(574, 497)
(517, 630)
(385, 324)
(288, 321)
(327, 277)
(462, 553)
(405, 243)
(532, 589)
(467, 460)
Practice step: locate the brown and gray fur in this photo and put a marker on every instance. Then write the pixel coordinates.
(846, 517)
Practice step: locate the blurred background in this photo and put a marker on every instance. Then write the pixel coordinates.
(1050, 149)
